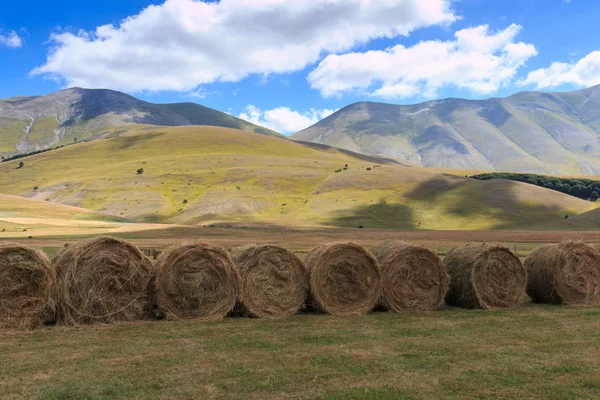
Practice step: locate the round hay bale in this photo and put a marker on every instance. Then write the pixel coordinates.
(27, 283)
(413, 277)
(565, 273)
(485, 276)
(274, 282)
(103, 280)
(196, 280)
(344, 278)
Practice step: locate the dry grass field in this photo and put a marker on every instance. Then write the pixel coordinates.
(298, 240)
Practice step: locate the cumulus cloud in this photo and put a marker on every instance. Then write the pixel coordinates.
(478, 60)
(585, 72)
(10, 39)
(283, 119)
(181, 44)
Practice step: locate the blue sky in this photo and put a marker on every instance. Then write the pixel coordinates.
(288, 63)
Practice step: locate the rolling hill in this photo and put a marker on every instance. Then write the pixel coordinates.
(20, 217)
(34, 123)
(547, 133)
(202, 175)
(24, 218)
(19, 207)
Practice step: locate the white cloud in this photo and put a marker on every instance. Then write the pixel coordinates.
(283, 119)
(585, 72)
(477, 60)
(11, 39)
(185, 43)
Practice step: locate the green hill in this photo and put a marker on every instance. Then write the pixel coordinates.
(203, 175)
(547, 133)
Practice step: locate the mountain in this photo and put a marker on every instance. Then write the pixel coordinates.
(199, 175)
(547, 133)
(35, 123)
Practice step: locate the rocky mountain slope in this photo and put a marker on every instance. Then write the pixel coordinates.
(548, 133)
(35, 123)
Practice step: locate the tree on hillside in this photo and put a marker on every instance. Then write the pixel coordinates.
(21, 165)
(561, 187)
(580, 191)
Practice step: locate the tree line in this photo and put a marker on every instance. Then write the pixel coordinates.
(32, 153)
(586, 189)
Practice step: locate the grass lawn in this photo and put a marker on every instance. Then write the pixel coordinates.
(537, 352)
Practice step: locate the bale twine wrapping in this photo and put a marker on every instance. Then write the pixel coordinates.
(103, 280)
(413, 277)
(27, 283)
(565, 273)
(344, 278)
(274, 282)
(196, 280)
(485, 276)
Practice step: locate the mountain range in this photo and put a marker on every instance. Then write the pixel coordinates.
(40, 122)
(148, 168)
(547, 133)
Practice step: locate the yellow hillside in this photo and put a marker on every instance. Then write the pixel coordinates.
(19, 207)
(201, 175)
(21, 217)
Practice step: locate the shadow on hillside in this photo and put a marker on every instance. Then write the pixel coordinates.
(440, 135)
(200, 115)
(363, 157)
(431, 189)
(497, 199)
(379, 215)
(130, 141)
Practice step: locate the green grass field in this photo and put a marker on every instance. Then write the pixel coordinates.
(530, 352)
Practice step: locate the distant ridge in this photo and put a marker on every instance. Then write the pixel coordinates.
(39, 122)
(537, 132)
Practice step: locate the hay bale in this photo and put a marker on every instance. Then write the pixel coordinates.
(565, 273)
(27, 283)
(103, 280)
(344, 278)
(196, 280)
(274, 282)
(485, 276)
(413, 277)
